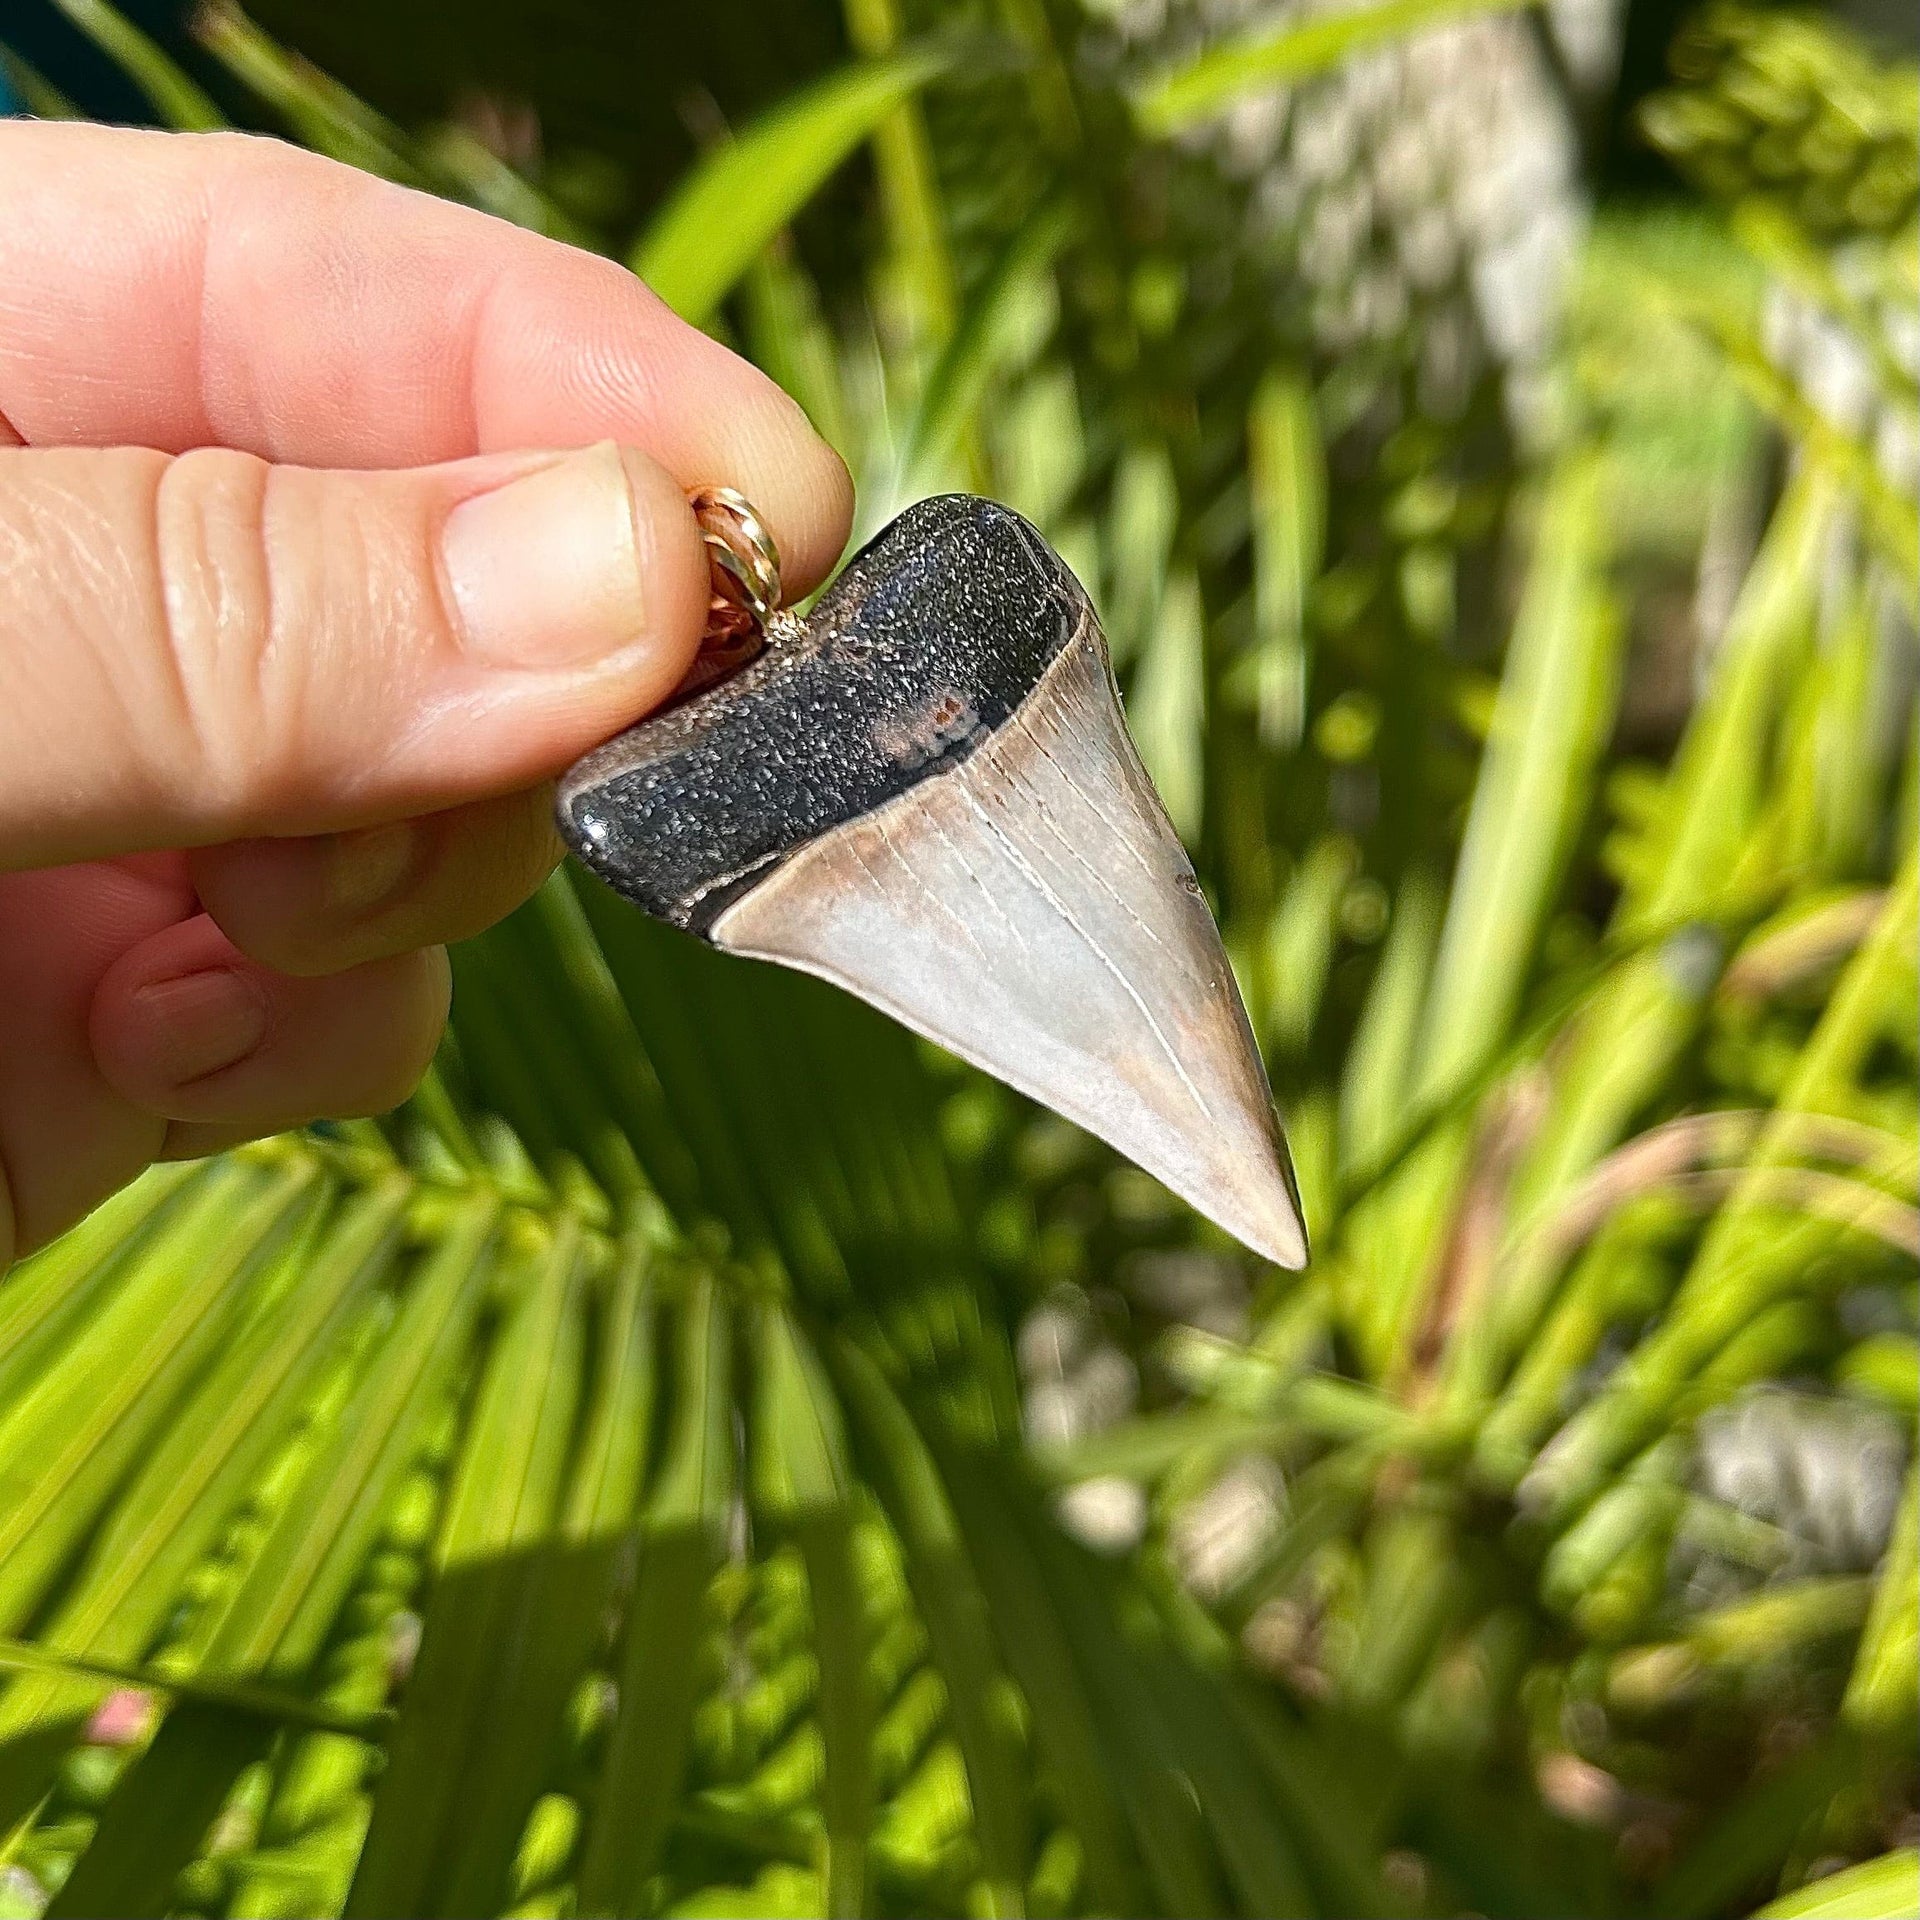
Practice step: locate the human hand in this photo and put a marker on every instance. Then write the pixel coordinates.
(302, 600)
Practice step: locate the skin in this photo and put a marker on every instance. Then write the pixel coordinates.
(305, 598)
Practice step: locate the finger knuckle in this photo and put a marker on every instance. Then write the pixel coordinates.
(216, 617)
(271, 579)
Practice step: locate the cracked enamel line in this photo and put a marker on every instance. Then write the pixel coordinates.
(1084, 864)
(991, 897)
(885, 836)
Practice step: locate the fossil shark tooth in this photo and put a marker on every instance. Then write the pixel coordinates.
(925, 792)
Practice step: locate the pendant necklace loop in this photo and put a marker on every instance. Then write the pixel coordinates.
(743, 575)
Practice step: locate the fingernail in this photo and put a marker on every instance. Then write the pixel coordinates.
(365, 869)
(201, 1022)
(545, 571)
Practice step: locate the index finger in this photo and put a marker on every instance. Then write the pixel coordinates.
(185, 290)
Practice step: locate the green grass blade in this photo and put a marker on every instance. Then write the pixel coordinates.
(1886, 1666)
(921, 261)
(958, 381)
(1339, 1847)
(732, 1062)
(276, 1621)
(171, 1512)
(555, 1086)
(504, 1073)
(1745, 1261)
(457, 162)
(1624, 1043)
(41, 98)
(1299, 945)
(65, 1444)
(590, 994)
(640, 989)
(947, 1593)
(317, 109)
(743, 193)
(604, 1493)
(789, 338)
(1883, 1889)
(29, 1760)
(51, 1287)
(481, 1715)
(797, 1441)
(1287, 476)
(166, 1517)
(155, 1823)
(802, 1482)
(1714, 789)
(62, 1690)
(1045, 1653)
(844, 1707)
(1142, 521)
(273, 1624)
(1870, 999)
(1554, 713)
(1845, 459)
(177, 99)
(1412, 1592)
(1377, 1081)
(1139, 1725)
(1167, 703)
(682, 1541)
(1256, 1848)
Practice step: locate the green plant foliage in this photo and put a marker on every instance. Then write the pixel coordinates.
(1886, 1886)
(744, 193)
(1782, 106)
(708, 1454)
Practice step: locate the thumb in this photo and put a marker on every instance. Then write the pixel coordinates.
(205, 647)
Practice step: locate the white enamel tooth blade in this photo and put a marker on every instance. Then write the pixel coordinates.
(1033, 911)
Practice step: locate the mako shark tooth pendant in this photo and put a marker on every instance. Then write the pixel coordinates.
(924, 792)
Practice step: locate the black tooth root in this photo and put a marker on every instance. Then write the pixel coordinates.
(930, 639)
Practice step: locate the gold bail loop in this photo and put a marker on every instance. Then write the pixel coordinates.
(743, 576)
(743, 564)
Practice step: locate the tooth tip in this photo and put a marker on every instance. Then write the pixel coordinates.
(1263, 1211)
(1281, 1238)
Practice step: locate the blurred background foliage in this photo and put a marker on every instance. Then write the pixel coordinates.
(709, 1454)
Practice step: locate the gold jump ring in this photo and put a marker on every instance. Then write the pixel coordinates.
(743, 563)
